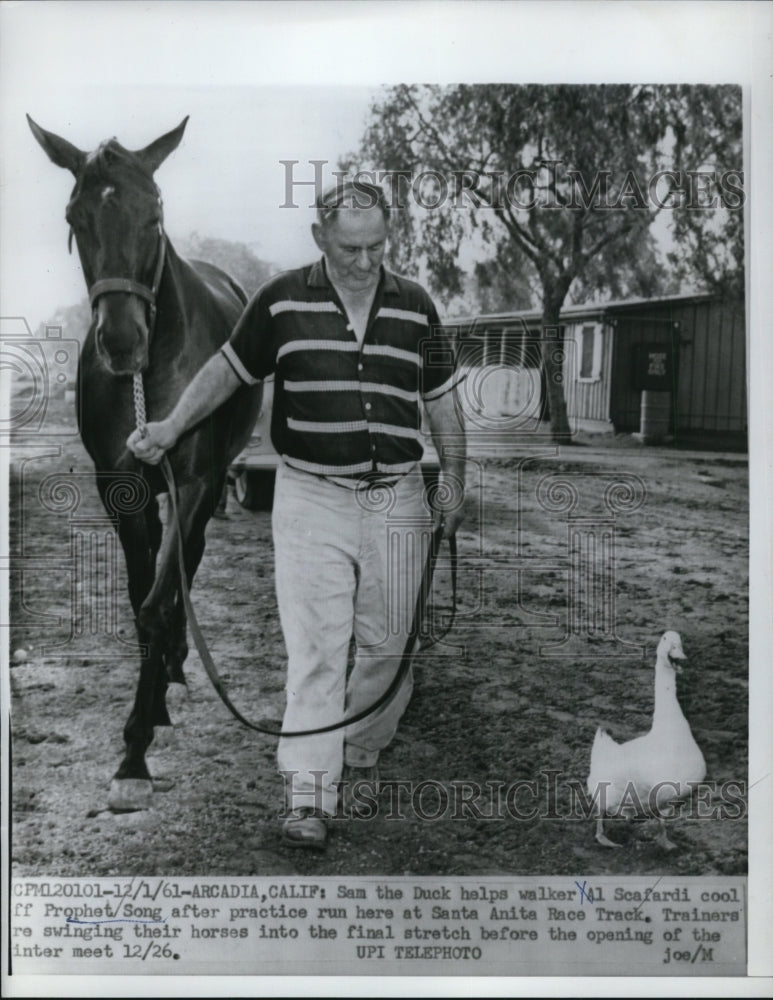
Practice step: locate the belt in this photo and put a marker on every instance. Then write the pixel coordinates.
(361, 482)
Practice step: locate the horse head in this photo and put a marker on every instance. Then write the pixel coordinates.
(115, 213)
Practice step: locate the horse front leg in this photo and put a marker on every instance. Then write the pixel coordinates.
(161, 611)
(170, 694)
(131, 787)
(176, 648)
(194, 507)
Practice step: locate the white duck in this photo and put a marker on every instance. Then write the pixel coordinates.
(653, 769)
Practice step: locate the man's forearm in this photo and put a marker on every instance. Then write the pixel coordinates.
(448, 437)
(448, 434)
(213, 384)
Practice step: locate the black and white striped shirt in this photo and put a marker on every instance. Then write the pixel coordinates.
(342, 408)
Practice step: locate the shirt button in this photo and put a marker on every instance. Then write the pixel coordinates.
(349, 326)
(359, 368)
(367, 406)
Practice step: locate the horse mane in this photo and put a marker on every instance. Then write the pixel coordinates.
(100, 166)
(110, 154)
(106, 154)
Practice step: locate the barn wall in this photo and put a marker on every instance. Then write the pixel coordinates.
(505, 361)
(587, 403)
(647, 326)
(710, 392)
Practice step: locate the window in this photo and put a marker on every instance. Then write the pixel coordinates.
(589, 353)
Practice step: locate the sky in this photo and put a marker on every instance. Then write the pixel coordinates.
(262, 83)
(226, 179)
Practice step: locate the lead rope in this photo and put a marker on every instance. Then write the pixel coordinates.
(140, 417)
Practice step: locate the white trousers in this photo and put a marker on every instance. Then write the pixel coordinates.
(348, 564)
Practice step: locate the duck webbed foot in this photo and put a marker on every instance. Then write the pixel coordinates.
(665, 843)
(601, 837)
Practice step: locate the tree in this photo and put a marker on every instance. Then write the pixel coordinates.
(74, 320)
(235, 258)
(501, 285)
(561, 180)
(707, 223)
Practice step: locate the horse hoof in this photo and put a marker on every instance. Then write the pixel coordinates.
(129, 794)
(177, 698)
(164, 737)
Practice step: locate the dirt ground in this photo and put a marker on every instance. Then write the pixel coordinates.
(511, 697)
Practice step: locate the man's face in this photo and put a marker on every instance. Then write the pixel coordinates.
(353, 242)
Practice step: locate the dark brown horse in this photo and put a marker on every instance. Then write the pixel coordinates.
(154, 313)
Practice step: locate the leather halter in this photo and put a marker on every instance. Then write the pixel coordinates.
(128, 285)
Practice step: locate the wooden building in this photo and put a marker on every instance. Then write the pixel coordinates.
(686, 350)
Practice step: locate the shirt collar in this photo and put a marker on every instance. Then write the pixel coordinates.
(318, 278)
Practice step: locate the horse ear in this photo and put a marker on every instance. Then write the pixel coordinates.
(59, 151)
(155, 154)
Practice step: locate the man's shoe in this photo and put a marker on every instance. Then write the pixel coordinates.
(305, 827)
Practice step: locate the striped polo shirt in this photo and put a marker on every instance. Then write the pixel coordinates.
(342, 408)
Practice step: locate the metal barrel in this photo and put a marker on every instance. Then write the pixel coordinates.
(655, 416)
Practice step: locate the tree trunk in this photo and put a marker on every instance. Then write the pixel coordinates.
(553, 353)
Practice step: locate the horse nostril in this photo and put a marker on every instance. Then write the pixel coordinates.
(122, 347)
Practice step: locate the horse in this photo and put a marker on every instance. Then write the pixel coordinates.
(156, 314)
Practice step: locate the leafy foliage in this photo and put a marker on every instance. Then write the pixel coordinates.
(236, 259)
(505, 191)
(708, 228)
(73, 320)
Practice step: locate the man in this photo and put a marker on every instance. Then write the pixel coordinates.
(354, 350)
